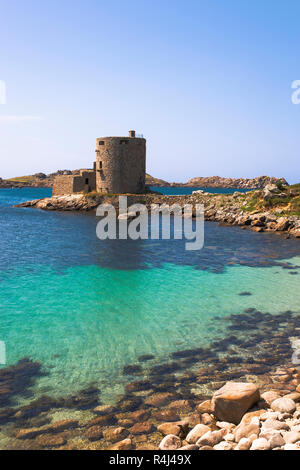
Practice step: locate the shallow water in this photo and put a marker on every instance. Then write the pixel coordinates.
(86, 308)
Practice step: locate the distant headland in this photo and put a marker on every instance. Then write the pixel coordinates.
(220, 182)
(41, 180)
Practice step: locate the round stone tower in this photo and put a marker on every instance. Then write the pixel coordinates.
(121, 164)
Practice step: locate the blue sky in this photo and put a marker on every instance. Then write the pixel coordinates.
(207, 82)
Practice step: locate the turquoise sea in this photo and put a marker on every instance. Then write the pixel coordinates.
(182, 190)
(87, 308)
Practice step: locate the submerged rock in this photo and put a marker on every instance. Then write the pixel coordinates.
(126, 444)
(94, 433)
(132, 369)
(104, 410)
(141, 428)
(165, 415)
(102, 420)
(62, 425)
(50, 441)
(17, 380)
(29, 433)
(159, 399)
(115, 434)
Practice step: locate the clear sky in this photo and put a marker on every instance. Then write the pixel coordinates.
(208, 83)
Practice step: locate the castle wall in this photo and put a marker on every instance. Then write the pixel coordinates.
(120, 165)
(86, 182)
(63, 185)
(70, 184)
(120, 168)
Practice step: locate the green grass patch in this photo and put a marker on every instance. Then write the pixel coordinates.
(254, 202)
(294, 208)
(92, 194)
(21, 179)
(295, 187)
(287, 205)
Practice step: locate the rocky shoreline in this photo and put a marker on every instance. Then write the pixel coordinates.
(239, 417)
(236, 183)
(224, 209)
(175, 404)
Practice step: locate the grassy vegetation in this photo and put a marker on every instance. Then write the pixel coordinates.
(285, 204)
(21, 179)
(93, 194)
(254, 202)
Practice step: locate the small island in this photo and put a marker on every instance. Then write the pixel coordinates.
(120, 168)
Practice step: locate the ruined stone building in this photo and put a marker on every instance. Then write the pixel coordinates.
(120, 168)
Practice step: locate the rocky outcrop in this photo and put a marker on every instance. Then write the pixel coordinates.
(72, 202)
(152, 181)
(258, 222)
(224, 209)
(272, 190)
(220, 182)
(262, 428)
(240, 183)
(232, 401)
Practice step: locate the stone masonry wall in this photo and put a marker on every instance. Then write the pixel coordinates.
(120, 165)
(120, 168)
(63, 185)
(85, 182)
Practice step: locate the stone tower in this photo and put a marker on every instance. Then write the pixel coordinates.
(120, 164)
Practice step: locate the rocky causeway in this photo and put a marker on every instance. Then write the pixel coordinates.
(225, 209)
